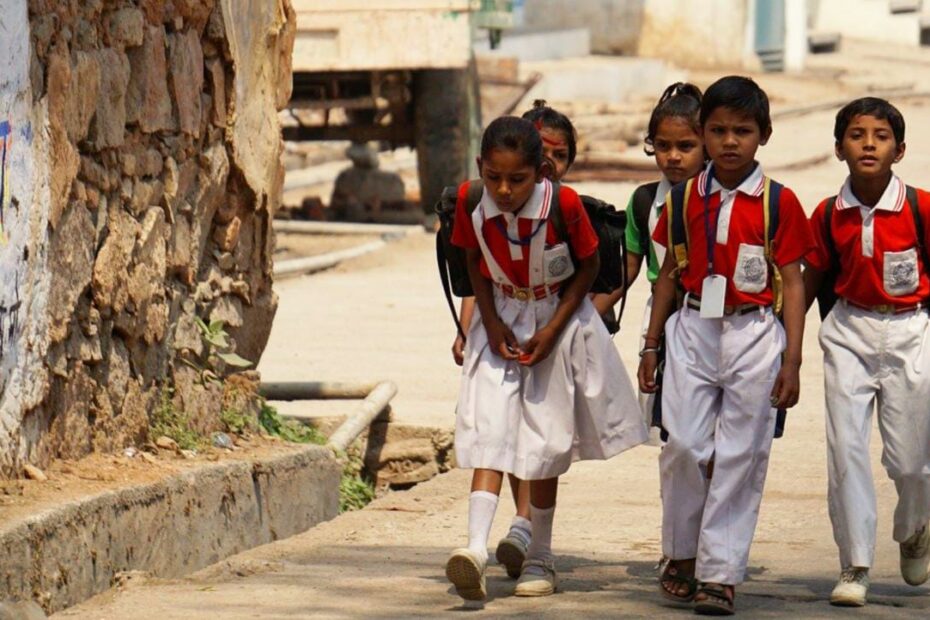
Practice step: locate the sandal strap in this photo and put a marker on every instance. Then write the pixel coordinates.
(718, 590)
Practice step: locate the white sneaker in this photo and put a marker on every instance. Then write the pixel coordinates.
(915, 557)
(466, 572)
(511, 552)
(851, 589)
(537, 578)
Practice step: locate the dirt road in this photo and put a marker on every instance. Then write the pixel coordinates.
(383, 317)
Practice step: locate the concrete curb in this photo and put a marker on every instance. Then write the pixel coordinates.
(170, 528)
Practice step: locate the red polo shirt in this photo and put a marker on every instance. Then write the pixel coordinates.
(864, 237)
(582, 237)
(745, 226)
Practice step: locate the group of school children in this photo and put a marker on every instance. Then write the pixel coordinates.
(734, 263)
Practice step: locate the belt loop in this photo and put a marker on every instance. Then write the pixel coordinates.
(761, 311)
(685, 307)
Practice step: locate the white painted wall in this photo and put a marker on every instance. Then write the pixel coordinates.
(24, 281)
(867, 19)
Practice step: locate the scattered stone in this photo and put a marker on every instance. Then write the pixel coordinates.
(166, 443)
(34, 473)
(130, 452)
(222, 440)
(21, 610)
(148, 457)
(226, 261)
(189, 454)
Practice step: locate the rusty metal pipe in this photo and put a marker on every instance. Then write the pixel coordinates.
(367, 411)
(315, 390)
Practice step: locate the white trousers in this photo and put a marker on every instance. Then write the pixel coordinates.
(876, 359)
(719, 375)
(647, 401)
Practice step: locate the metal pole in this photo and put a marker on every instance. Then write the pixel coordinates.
(313, 264)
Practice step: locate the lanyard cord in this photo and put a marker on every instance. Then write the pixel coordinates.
(521, 240)
(711, 239)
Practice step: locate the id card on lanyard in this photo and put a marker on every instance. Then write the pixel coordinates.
(714, 287)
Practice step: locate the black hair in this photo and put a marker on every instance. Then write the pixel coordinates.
(541, 115)
(741, 94)
(513, 134)
(869, 106)
(680, 100)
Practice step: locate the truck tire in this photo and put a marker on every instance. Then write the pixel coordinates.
(444, 104)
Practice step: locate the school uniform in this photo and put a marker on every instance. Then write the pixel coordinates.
(653, 255)
(719, 374)
(578, 403)
(874, 342)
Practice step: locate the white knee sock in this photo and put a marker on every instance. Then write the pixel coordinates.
(541, 544)
(521, 528)
(481, 508)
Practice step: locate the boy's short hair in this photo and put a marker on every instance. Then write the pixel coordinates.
(737, 93)
(869, 106)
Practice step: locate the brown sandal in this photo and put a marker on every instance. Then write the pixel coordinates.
(717, 601)
(671, 574)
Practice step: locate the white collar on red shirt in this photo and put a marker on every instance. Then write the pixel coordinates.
(751, 185)
(536, 208)
(892, 199)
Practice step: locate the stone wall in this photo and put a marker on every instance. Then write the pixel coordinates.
(614, 24)
(143, 173)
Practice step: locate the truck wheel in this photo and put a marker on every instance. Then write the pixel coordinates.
(443, 106)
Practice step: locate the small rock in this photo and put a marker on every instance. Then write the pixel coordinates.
(130, 452)
(34, 473)
(21, 610)
(189, 454)
(213, 457)
(222, 440)
(148, 458)
(166, 443)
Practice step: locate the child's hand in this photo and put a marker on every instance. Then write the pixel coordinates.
(647, 373)
(502, 340)
(539, 346)
(787, 387)
(458, 350)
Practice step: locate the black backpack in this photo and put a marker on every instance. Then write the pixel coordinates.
(826, 295)
(608, 223)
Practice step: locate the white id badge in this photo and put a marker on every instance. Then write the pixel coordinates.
(713, 295)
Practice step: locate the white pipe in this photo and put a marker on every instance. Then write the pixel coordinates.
(312, 264)
(367, 411)
(315, 390)
(342, 228)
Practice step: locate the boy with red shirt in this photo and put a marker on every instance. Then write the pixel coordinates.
(874, 341)
(724, 374)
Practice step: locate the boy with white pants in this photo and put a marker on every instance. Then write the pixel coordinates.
(724, 374)
(870, 259)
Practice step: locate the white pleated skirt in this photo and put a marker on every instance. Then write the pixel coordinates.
(533, 422)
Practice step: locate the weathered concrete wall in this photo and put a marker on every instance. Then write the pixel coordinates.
(709, 34)
(170, 528)
(614, 24)
(144, 172)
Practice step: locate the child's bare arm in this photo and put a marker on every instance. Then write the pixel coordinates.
(813, 280)
(466, 312)
(501, 339)
(787, 384)
(663, 304)
(543, 341)
(604, 302)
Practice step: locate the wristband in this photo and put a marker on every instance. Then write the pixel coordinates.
(648, 338)
(648, 350)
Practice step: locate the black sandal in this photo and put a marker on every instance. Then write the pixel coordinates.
(718, 601)
(671, 574)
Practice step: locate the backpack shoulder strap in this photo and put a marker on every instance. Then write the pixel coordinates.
(643, 198)
(676, 204)
(771, 201)
(555, 214)
(912, 201)
(828, 233)
(473, 195)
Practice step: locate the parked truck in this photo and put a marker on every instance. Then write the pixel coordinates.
(394, 71)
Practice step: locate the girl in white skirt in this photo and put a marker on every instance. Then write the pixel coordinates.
(542, 384)
(559, 145)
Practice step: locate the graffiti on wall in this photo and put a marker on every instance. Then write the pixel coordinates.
(16, 181)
